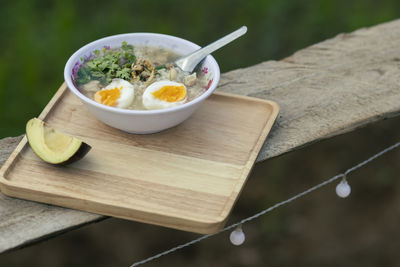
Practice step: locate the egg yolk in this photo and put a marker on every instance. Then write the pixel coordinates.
(108, 97)
(170, 93)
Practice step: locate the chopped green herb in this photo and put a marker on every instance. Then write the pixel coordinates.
(84, 75)
(130, 57)
(125, 46)
(159, 67)
(124, 73)
(97, 74)
(107, 65)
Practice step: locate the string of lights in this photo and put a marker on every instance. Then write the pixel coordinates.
(237, 236)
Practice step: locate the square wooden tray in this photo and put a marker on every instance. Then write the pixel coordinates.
(187, 177)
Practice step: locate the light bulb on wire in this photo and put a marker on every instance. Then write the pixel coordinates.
(343, 189)
(237, 236)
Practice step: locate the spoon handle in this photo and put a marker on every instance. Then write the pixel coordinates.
(189, 62)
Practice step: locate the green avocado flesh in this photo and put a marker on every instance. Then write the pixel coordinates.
(53, 146)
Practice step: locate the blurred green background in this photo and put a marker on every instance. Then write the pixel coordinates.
(318, 230)
(39, 36)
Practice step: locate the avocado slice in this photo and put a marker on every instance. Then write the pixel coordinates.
(54, 146)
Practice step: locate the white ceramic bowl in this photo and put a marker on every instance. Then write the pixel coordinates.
(141, 121)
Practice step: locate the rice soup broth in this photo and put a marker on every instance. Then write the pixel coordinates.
(157, 56)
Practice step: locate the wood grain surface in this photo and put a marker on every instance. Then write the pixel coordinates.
(324, 90)
(187, 177)
(328, 88)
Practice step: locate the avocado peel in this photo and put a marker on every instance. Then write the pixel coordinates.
(53, 146)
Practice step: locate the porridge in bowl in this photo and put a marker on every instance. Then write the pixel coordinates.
(126, 65)
(137, 78)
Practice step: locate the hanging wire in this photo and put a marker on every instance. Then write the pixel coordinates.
(277, 205)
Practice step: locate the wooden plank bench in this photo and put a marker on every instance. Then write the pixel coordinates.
(324, 90)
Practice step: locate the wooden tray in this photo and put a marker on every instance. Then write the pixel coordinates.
(187, 177)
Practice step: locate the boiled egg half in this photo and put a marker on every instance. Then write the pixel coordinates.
(119, 93)
(164, 94)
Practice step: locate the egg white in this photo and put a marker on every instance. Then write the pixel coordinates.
(127, 92)
(151, 102)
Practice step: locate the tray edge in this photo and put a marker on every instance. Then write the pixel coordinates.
(8, 188)
(12, 159)
(252, 159)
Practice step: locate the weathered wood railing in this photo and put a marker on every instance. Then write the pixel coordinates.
(324, 90)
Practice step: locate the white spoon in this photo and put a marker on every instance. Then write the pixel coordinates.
(189, 62)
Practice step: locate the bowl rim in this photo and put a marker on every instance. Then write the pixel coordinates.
(75, 57)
